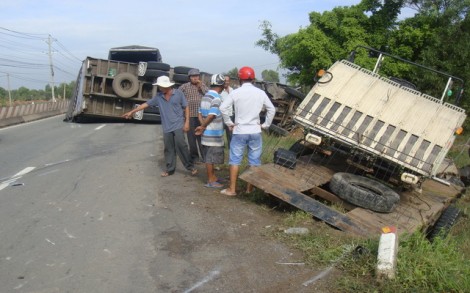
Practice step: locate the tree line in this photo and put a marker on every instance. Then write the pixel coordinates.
(24, 95)
(437, 36)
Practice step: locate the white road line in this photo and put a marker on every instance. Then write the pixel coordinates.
(24, 171)
(99, 127)
(3, 185)
(15, 177)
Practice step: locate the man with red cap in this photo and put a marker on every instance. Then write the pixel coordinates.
(248, 101)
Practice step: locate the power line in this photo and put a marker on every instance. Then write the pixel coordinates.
(67, 51)
(22, 35)
(25, 54)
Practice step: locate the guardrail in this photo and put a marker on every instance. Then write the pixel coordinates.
(30, 112)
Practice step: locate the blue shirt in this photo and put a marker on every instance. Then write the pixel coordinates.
(171, 111)
(213, 134)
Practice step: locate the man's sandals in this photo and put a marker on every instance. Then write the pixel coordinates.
(169, 173)
(227, 192)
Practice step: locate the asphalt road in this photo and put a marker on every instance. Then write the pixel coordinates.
(75, 203)
(83, 209)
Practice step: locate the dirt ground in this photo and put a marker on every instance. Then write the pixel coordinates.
(218, 243)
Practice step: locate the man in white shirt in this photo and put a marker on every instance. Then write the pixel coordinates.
(247, 101)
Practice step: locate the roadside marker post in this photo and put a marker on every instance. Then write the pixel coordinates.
(387, 254)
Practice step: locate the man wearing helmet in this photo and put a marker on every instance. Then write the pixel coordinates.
(212, 129)
(248, 101)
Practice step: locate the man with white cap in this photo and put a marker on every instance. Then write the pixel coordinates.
(175, 122)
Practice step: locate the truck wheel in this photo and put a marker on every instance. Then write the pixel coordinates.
(182, 70)
(154, 73)
(158, 65)
(442, 226)
(125, 85)
(295, 93)
(364, 192)
(278, 130)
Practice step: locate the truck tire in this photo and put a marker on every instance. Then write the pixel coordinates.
(364, 192)
(158, 65)
(442, 226)
(154, 73)
(295, 93)
(180, 78)
(125, 85)
(278, 130)
(182, 70)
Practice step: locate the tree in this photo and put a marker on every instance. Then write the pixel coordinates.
(438, 36)
(23, 93)
(331, 36)
(270, 75)
(3, 92)
(233, 73)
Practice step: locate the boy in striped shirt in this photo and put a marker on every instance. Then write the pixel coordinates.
(212, 129)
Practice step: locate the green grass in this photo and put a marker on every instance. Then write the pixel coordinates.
(459, 150)
(422, 266)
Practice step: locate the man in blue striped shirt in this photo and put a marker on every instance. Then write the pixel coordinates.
(212, 129)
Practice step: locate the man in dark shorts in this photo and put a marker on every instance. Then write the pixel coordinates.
(212, 129)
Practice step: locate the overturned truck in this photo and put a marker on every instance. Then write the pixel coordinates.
(372, 144)
(108, 88)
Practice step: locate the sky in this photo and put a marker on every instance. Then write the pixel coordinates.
(214, 36)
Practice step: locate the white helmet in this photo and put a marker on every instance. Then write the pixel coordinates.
(217, 80)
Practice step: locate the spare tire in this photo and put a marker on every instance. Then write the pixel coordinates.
(125, 85)
(154, 73)
(364, 192)
(158, 66)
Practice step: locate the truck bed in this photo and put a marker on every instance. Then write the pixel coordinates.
(306, 188)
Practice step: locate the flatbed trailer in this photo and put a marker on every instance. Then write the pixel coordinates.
(306, 187)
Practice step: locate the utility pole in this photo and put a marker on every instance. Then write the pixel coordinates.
(9, 92)
(49, 42)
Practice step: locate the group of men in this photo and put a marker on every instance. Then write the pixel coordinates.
(204, 114)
